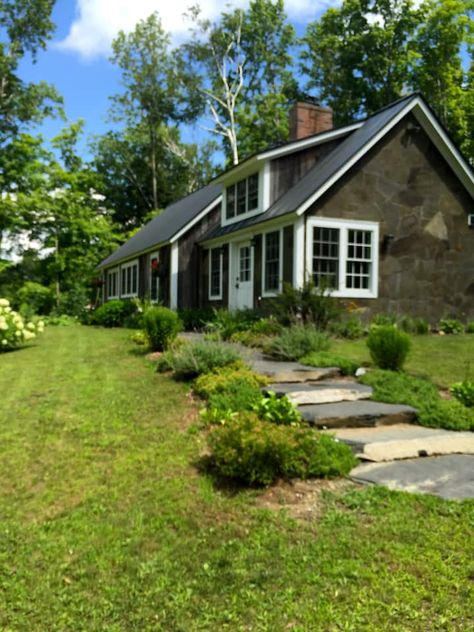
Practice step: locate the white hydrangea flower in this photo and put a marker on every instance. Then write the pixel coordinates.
(4, 302)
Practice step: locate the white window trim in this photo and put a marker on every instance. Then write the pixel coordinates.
(154, 255)
(125, 266)
(117, 283)
(345, 226)
(263, 196)
(272, 293)
(216, 297)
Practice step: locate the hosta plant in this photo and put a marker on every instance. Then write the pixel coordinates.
(14, 330)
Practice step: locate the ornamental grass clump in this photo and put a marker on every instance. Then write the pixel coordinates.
(388, 346)
(190, 360)
(297, 341)
(14, 330)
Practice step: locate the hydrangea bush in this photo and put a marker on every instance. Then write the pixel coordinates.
(14, 330)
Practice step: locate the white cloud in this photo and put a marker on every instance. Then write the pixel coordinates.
(97, 22)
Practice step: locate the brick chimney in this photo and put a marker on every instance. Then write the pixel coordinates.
(307, 119)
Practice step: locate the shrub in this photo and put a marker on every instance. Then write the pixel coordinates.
(350, 328)
(324, 359)
(400, 388)
(139, 338)
(410, 325)
(470, 327)
(388, 346)
(308, 305)
(383, 319)
(38, 298)
(236, 398)
(297, 341)
(161, 326)
(257, 452)
(191, 360)
(226, 323)
(14, 331)
(113, 313)
(277, 410)
(450, 326)
(62, 320)
(219, 380)
(196, 318)
(464, 392)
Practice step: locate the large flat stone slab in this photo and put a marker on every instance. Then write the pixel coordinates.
(356, 414)
(321, 392)
(451, 477)
(290, 371)
(401, 441)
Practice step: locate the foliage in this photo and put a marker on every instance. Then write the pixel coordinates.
(350, 328)
(224, 405)
(14, 331)
(400, 388)
(388, 346)
(37, 297)
(411, 325)
(308, 305)
(297, 341)
(464, 392)
(257, 333)
(191, 360)
(196, 318)
(161, 326)
(470, 327)
(325, 359)
(113, 313)
(221, 379)
(139, 338)
(257, 452)
(277, 410)
(451, 326)
(61, 320)
(225, 323)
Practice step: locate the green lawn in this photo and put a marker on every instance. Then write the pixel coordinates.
(444, 359)
(107, 525)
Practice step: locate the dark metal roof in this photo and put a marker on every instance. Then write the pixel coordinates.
(322, 171)
(164, 227)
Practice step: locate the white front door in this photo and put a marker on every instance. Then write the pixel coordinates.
(242, 276)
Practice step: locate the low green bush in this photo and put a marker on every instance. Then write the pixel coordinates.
(464, 392)
(396, 387)
(36, 297)
(325, 359)
(236, 398)
(277, 410)
(113, 313)
(196, 318)
(350, 328)
(190, 360)
(417, 326)
(219, 380)
(470, 327)
(451, 326)
(388, 346)
(308, 305)
(161, 326)
(297, 341)
(62, 320)
(226, 323)
(383, 319)
(256, 452)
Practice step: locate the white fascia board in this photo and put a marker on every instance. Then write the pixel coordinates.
(242, 169)
(312, 141)
(443, 143)
(197, 219)
(249, 231)
(434, 131)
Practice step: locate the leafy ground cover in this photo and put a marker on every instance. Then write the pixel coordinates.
(443, 359)
(107, 524)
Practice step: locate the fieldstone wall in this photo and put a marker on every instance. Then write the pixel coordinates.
(405, 184)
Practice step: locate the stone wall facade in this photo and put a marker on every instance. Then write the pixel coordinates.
(405, 184)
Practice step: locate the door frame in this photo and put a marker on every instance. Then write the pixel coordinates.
(234, 271)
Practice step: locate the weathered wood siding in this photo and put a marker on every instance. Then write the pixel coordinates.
(405, 184)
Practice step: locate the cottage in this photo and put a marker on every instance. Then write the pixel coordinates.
(380, 210)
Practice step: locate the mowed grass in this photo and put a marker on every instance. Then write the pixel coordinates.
(107, 525)
(442, 359)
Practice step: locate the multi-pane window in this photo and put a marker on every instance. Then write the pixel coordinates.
(215, 273)
(245, 264)
(271, 262)
(326, 257)
(242, 197)
(343, 257)
(129, 279)
(112, 283)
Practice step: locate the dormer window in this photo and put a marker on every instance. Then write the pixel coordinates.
(242, 197)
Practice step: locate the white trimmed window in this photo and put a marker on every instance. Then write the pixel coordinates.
(112, 283)
(129, 279)
(215, 274)
(343, 256)
(242, 197)
(272, 262)
(154, 277)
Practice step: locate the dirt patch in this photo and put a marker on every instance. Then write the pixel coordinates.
(445, 394)
(301, 499)
(154, 356)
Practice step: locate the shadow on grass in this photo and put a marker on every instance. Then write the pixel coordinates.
(18, 349)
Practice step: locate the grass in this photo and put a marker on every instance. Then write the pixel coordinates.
(106, 524)
(443, 359)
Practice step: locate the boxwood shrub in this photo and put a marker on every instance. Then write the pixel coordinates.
(161, 326)
(388, 346)
(113, 313)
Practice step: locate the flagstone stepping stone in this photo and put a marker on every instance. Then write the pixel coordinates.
(401, 441)
(291, 371)
(364, 413)
(321, 392)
